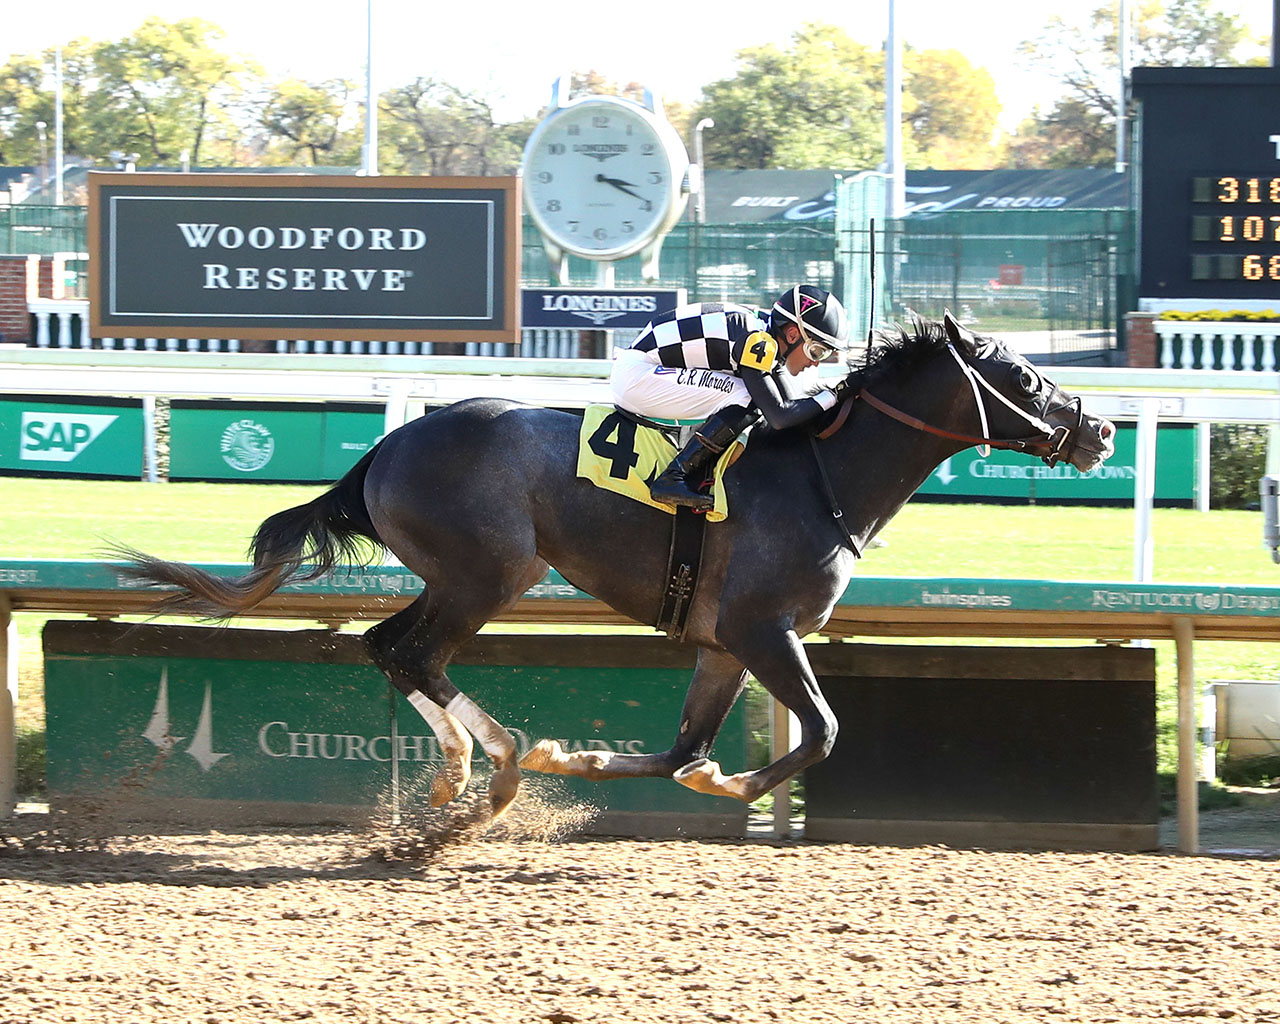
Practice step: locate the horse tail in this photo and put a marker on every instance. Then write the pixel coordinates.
(293, 546)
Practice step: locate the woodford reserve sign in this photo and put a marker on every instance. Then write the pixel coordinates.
(296, 256)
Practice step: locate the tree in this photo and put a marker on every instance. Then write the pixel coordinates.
(1085, 60)
(820, 103)
(27, 97)
(21, 107)
(165, 90)
(814, 104)
(435, 128)
(1189, 33)
(310, 123)
(951, 110)
(1070, 135)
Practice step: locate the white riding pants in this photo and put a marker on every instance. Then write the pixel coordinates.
(648, 389)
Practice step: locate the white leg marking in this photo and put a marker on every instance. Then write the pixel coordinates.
(499, 744)
(496, 741)
(455, 745)
(454, 740)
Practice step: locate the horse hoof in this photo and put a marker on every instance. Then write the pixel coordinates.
(503, 788)
(704, 776)
(443, 791)
(543, 756)
(447, 785)
(698, 775)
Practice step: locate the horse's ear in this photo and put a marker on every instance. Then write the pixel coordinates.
(960, 336)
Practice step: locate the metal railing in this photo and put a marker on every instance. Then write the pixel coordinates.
(43, 230)
(1058, 271)
(1061, 272)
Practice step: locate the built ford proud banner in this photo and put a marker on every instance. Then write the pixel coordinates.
(275, 256)
(735, 197)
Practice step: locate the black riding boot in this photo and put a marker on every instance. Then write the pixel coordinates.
(678, 483)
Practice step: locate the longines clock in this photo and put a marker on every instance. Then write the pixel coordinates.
(605, 178)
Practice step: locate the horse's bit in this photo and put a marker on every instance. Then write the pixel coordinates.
(1062, 439)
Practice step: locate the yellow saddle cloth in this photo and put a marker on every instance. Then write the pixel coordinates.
(622, 456)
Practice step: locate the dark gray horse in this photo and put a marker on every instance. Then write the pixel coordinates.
(480, 497)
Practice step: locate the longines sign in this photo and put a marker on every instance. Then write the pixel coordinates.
(290, 256)
(608, 308)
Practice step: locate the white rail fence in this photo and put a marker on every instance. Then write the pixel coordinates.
(64, 324)
(1184, 345)
(1210, 345)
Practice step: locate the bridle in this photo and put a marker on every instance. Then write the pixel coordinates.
(1061, 440)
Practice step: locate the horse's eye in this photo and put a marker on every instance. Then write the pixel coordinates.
(1027, 381)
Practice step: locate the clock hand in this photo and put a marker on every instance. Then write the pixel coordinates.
(620, 185)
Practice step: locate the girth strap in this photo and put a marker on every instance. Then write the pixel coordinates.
(837, 513)
(671, 430)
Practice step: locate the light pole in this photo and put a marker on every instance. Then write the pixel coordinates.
(1122, 101)
(370, 99)
(44, 155)
(895, 199)
(58, 167)
(700, 206)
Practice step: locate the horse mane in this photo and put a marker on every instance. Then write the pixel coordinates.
(896, 352)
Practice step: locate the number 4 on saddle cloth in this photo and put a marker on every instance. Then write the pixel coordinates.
(621, 454)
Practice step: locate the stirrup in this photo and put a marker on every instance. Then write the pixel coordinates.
(678, 492)
(694, 500)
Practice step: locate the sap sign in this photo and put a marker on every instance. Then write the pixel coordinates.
(101, 437)
(59, 437)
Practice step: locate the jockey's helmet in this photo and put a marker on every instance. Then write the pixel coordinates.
(819, 315)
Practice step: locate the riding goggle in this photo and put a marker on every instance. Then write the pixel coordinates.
(815, 350)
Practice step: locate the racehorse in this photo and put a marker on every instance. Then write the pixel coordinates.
(480, 497)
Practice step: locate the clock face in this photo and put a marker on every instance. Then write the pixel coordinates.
(600, 179)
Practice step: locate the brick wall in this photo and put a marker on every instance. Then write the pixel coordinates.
(15, 321)
(1141, 340)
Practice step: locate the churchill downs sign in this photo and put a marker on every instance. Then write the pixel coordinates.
(288, 256)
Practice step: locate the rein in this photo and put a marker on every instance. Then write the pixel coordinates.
(1060, 438)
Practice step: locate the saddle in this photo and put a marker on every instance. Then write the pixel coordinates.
(621, 452)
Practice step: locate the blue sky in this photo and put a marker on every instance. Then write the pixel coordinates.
(513, 53)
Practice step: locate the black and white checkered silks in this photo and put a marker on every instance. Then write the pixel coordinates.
(706, 335)
(684, 364)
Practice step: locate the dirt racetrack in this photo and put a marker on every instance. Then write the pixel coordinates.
(432, 923)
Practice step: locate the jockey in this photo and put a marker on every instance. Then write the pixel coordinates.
(723, 363)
